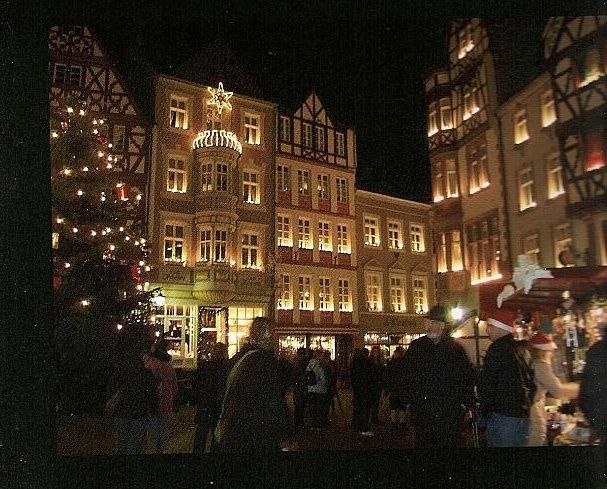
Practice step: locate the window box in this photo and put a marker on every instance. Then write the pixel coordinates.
(325, 257)
(326, 317)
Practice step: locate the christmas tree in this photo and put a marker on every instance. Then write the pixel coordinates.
(102, 306)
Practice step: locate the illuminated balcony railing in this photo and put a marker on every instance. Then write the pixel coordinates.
(217, 138)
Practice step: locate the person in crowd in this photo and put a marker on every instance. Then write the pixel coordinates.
(360, 379)
(137, 399)
(209, 389)
(253, 417)
(376, 367)
(331, 371)
(506, 387)
(394, 372)
(438, 384)
(318, 390)
(300, 388)
(159, 363)
(593, 388)
(542, 349)
(285, 371)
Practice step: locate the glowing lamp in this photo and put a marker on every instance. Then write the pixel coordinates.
(85, 302)
(119, 327)
(158, 299)
(157, 333)
(457, 313)
(70, 110)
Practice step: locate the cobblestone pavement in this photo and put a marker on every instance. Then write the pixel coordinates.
(81, 435)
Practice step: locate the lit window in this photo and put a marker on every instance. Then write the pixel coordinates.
(548, 111)
(531, 248)
(432, 123)
(395, 241)
(173, 243)
(285, 298)
(345, 299)
(342, 189)
(325, 295)
(441, 259)
(320, 138)
(340, 143)
(483, 249)
(373, 286)
(526, 197)
(420, 295)
(283, 179)
(521, 134)
(397, 293)
(250, 187)
(417, 238)
(307, 135)
(206, 180)
(452, 186)
(213, 120)
(305, 294)
(457, 263)
(178, 113)
(324, 236)
(592, 67)
(594, 149)
(118, 138)
(177, 177)
(221, 245)
(252, 129)
(323, 187)
(555, 177)
(304, 238)
(438, 187)
(466, 41)
(283, 231)
(303, 182)
(446, 117)
(205, 245)
(343, 241)
(285, 129)
(178, 330)
(479, 174)
(221, 183)
(250, 251)
(562, 241)
(371, 231)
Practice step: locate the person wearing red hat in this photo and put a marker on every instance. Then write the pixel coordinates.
(506, 387)
(542, 349)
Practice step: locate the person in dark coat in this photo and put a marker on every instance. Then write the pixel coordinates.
(209, 389)
(593, 389)
(438, 384)
(360, 378)
(331, 370)
(392, 379)
(376, 385)
(253, 417)
(300, 388)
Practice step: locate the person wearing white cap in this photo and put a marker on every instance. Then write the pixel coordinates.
(542, 349)
(506, 387)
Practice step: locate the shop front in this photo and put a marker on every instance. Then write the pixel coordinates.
(389, 331)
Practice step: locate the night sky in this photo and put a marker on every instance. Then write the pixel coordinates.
(366, 64)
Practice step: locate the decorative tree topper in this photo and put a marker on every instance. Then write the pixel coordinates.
(220, 98)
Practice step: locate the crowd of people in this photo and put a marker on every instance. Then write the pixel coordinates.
(241, 403)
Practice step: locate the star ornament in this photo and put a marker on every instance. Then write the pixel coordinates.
(220, 98)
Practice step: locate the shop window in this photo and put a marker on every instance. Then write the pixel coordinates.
(373, 287)
(521, 133)
(178, 114)
(240, 320)
(340, 143)
(285, 297)
(177, 176)
(548, 110)
(342, 189)
(531, 248)
(250, 251)
(305, 294)
(304, 236)
(283, 231)
(323, 187)
(205, 245)
(291, 343)
(307, 135)
(420, 295)
(343, 239)
(250, 187)
(345, 296)
(283, 178)
(178, 324)
(303, 182)
(325, 295)
(395, 240)
(285, 129)
(371, 231)
(526, 189)
(173, 243)
(397, 293)
(252, 129)
(324, 236)
(416, 232)
(555, 177)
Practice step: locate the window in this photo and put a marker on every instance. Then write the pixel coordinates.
(325, 295)
(222, 177)
(555, 177)
(452, 186)
(457, 263)
(526, 197)
(283, 231)
(397, 293)
(395, 235)
(118, 139)
(283, 179)
(206, 171)
(252, 129)
(303, 182)
(324, 236)
(432, 122)
(342, 189)
(59, 74)
(439, 196)
(305, 294)
(285, 129)
(441, 258)
(479, 174)
(221, 245)
(343, 242)
(178, 330)
(345, 300)
(466, 41)
(323, 187)
(307, 135)
(285, 298)
(373, 282)
(371, 231)
(548, 111)
(483, 249)
(173, 243)
(416, 232)
(250, 187)
(177, 178)
(446, 118)
(340, 143)
(320, 138)
(305, 240)
(205, 245)
(250, 251)
(178, 113)
(470, 102)
(213, 120)
(531, 248)
(420, 295)
(67, 75)
(562, 241)
(521, 133)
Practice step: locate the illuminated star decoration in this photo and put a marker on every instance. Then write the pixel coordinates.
(220, 98)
